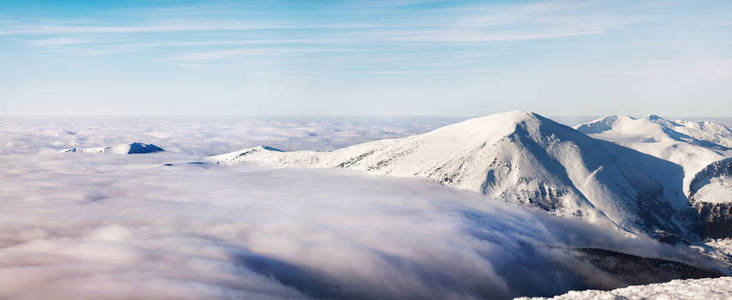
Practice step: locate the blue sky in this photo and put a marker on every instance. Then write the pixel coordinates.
(403, 57)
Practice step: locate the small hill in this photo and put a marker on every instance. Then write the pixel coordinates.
(131, 148)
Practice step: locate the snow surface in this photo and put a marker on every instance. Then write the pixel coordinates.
(691, 144)
(720, 250)
(718, 190)
(713, 184)
(702, 289)
(519, 157)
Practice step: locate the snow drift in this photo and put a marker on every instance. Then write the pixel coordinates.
(693, 289)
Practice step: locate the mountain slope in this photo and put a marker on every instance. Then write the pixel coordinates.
(522, 158)
(692, 145)
(711, 194)
(131, 148)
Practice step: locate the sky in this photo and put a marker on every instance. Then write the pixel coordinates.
(385, 58)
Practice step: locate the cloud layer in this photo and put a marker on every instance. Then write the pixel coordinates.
(87, 225)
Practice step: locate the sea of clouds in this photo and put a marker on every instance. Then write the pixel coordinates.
(91, 226)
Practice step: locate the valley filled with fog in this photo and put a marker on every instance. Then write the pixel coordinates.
(173, 225)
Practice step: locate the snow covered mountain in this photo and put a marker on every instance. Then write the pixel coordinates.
(131, 148)
(703, 133)
(692, 145)
(522, 158)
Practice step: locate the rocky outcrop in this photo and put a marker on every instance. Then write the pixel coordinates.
(717, 219)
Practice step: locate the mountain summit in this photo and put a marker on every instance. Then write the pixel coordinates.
(521, 158)
(131, 148)
(654, 128)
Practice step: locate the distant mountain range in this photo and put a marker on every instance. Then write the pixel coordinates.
(702, 148)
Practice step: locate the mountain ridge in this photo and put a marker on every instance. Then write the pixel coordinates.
(693, 145)
(521, 158)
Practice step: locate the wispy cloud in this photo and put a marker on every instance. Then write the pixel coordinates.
(351, 40)
(55, 42)
(461, 35)
(214, 55)
(391, 24)
(480, 16)
(171, 26)
(253, 41)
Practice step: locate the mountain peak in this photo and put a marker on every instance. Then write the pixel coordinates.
(131, 148)
(600, 125)
(503, 119)
(652, 122)
(653, 117)
(516, 116)
(142, 148)
(483, 130)
(662, 121)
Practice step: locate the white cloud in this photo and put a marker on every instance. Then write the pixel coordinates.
(55, 42)
(462, 35)
(168, 26)
(223, 54)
